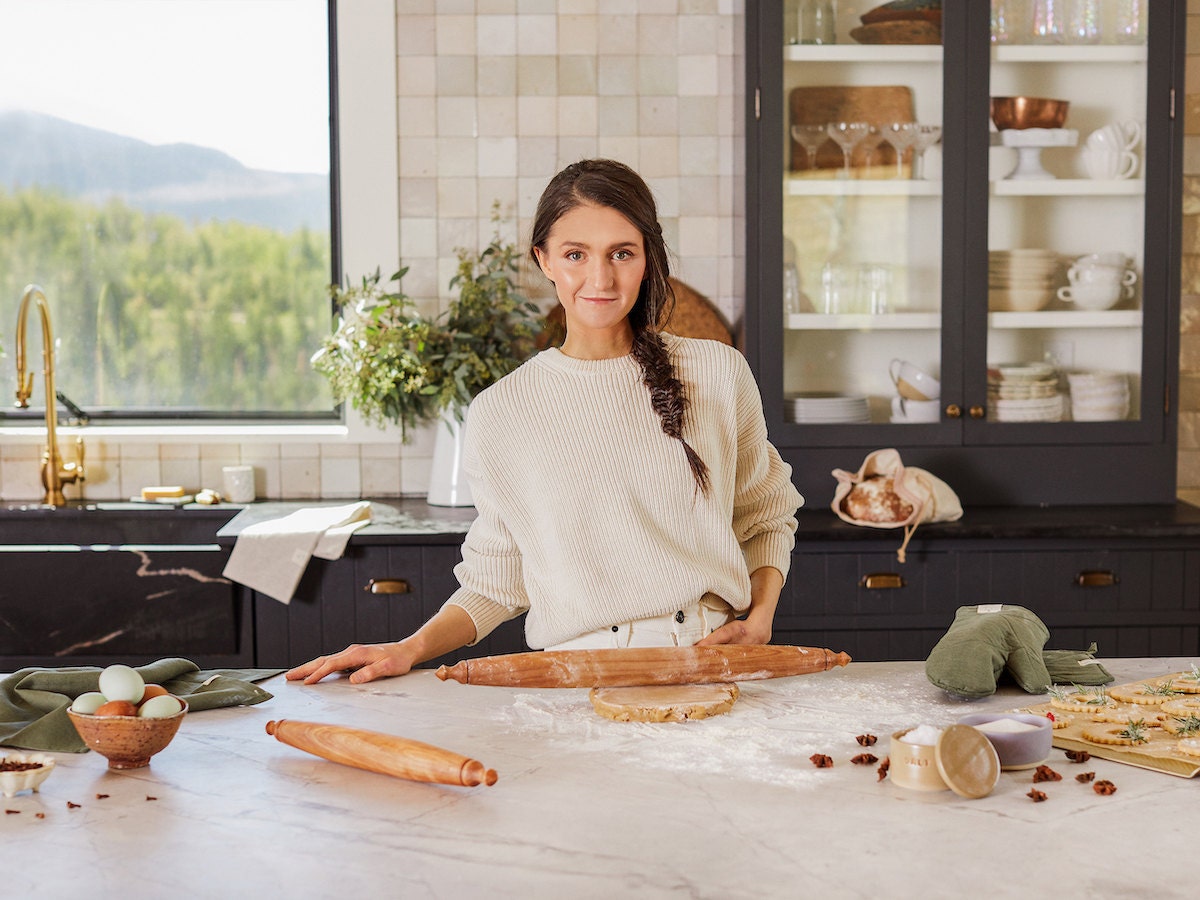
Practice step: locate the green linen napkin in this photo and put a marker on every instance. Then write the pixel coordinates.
(34, 701)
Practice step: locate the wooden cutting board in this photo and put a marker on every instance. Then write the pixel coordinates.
(879, 105)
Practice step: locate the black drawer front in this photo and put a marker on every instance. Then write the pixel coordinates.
(1131, 602)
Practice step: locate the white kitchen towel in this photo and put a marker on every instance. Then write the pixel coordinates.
(270, 557)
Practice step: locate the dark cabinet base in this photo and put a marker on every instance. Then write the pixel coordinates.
(347, 601)
(1130, 585)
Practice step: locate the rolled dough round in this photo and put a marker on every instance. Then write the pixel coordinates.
(664, 702)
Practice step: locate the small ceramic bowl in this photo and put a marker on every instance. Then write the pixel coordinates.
(127, 742)
(1017, 744)
(13, 781)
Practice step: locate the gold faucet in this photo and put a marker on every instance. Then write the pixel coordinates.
(55, 473)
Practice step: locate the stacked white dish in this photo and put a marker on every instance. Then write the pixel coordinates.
(1022, 280)
(1098, 396)
(826, 407)
(1024, 392)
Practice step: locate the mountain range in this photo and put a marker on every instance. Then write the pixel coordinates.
(193, 182)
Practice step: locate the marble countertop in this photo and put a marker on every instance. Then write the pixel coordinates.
(728, 807)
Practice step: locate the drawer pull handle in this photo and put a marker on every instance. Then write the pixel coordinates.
(1091, 578)
(879, 581)
(387, 586)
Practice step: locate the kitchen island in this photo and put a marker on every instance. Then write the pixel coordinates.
(727, 807)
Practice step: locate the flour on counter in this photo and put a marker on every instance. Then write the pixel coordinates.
(802, 711)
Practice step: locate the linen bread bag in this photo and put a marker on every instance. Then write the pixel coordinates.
(885, 493)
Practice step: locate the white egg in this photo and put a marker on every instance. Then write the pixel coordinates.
(122, 683)
(88, 703)
(159, 707)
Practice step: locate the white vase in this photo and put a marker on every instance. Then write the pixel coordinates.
(448, 484)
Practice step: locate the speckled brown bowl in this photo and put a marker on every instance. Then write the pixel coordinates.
(127, 742)
(1028, 112)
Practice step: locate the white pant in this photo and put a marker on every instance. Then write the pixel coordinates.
(678, 629)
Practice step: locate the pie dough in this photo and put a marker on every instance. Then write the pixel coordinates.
(664, 702)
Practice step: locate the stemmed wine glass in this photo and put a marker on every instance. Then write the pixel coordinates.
(927, 136)
(901, 135)
(848, 135)
(810, 137)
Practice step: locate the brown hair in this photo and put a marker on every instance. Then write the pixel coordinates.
(605, 182)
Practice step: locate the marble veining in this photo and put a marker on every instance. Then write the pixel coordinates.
(728, 807)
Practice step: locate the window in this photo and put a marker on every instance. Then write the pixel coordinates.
(166, 178)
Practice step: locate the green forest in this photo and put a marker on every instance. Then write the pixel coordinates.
(152, 313)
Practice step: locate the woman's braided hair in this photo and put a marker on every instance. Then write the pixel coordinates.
(605, 182)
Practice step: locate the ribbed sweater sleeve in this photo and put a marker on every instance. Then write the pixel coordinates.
(588, 514)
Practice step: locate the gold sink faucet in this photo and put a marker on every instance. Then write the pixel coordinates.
(55, 473)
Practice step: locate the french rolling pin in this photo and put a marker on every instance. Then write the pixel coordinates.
(642, 666)
(383, 753)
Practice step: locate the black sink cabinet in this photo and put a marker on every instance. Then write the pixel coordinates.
(95, 584)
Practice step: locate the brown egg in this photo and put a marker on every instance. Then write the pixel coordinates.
(152, 690)
(116, 708)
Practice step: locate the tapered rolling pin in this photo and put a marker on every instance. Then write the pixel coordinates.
(383, 753)
(643, 666)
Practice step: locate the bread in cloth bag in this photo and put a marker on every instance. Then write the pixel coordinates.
(884, 493)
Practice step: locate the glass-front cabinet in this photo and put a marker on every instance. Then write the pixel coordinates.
(963, 239)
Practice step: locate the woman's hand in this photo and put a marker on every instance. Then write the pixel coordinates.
(364, 662)
(754, 629)
(766, 583)
(449, 628)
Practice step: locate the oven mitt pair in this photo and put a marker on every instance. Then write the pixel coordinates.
(985, 641)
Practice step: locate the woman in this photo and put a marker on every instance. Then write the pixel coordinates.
(626, 490)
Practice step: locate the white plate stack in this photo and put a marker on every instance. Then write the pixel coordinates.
(823, 407)
(1025, 392)
(1098, 396)
(1022, 280)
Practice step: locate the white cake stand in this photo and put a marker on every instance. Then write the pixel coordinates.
(1029, 144)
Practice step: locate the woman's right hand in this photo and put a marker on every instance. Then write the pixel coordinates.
(364, 662)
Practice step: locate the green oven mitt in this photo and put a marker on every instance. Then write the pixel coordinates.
(985, 641)
(1076, 667)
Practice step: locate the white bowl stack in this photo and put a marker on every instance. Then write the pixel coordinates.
(1098, 396)
(819, 406)
(1024, 392)
(1022, 280)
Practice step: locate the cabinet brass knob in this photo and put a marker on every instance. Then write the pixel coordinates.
(881, 581)
(1092, 578)
(387, 586)
(976, 412)
(953, 411)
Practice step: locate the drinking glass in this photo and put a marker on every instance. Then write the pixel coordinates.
(927, 136)
(1047, 21)
(810, 137)
(848, 135)
(1129, 22)
(1083, 22)
(901, 135)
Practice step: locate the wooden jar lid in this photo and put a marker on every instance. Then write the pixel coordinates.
(967, 761)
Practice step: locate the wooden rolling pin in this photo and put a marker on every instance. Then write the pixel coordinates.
(383, 753)
(639, 666)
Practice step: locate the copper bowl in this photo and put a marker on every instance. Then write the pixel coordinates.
(1028, 112)
(127, 742)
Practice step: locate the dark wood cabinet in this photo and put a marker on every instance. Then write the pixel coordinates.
(375, 593)
(115, 583)
(1128, 580)
(852, 266)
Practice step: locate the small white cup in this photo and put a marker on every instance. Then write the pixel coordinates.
(1094, 296)
(913, 383)
(1103, 164)
(1092, 273)
(239, 483)
(905, 410)
(1116, 136)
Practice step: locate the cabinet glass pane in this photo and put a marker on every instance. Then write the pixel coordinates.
(1066, 224)
(862, 224)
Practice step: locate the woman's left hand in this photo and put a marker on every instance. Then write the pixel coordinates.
(750, 630)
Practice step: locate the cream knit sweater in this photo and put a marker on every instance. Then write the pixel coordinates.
(588, 514)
